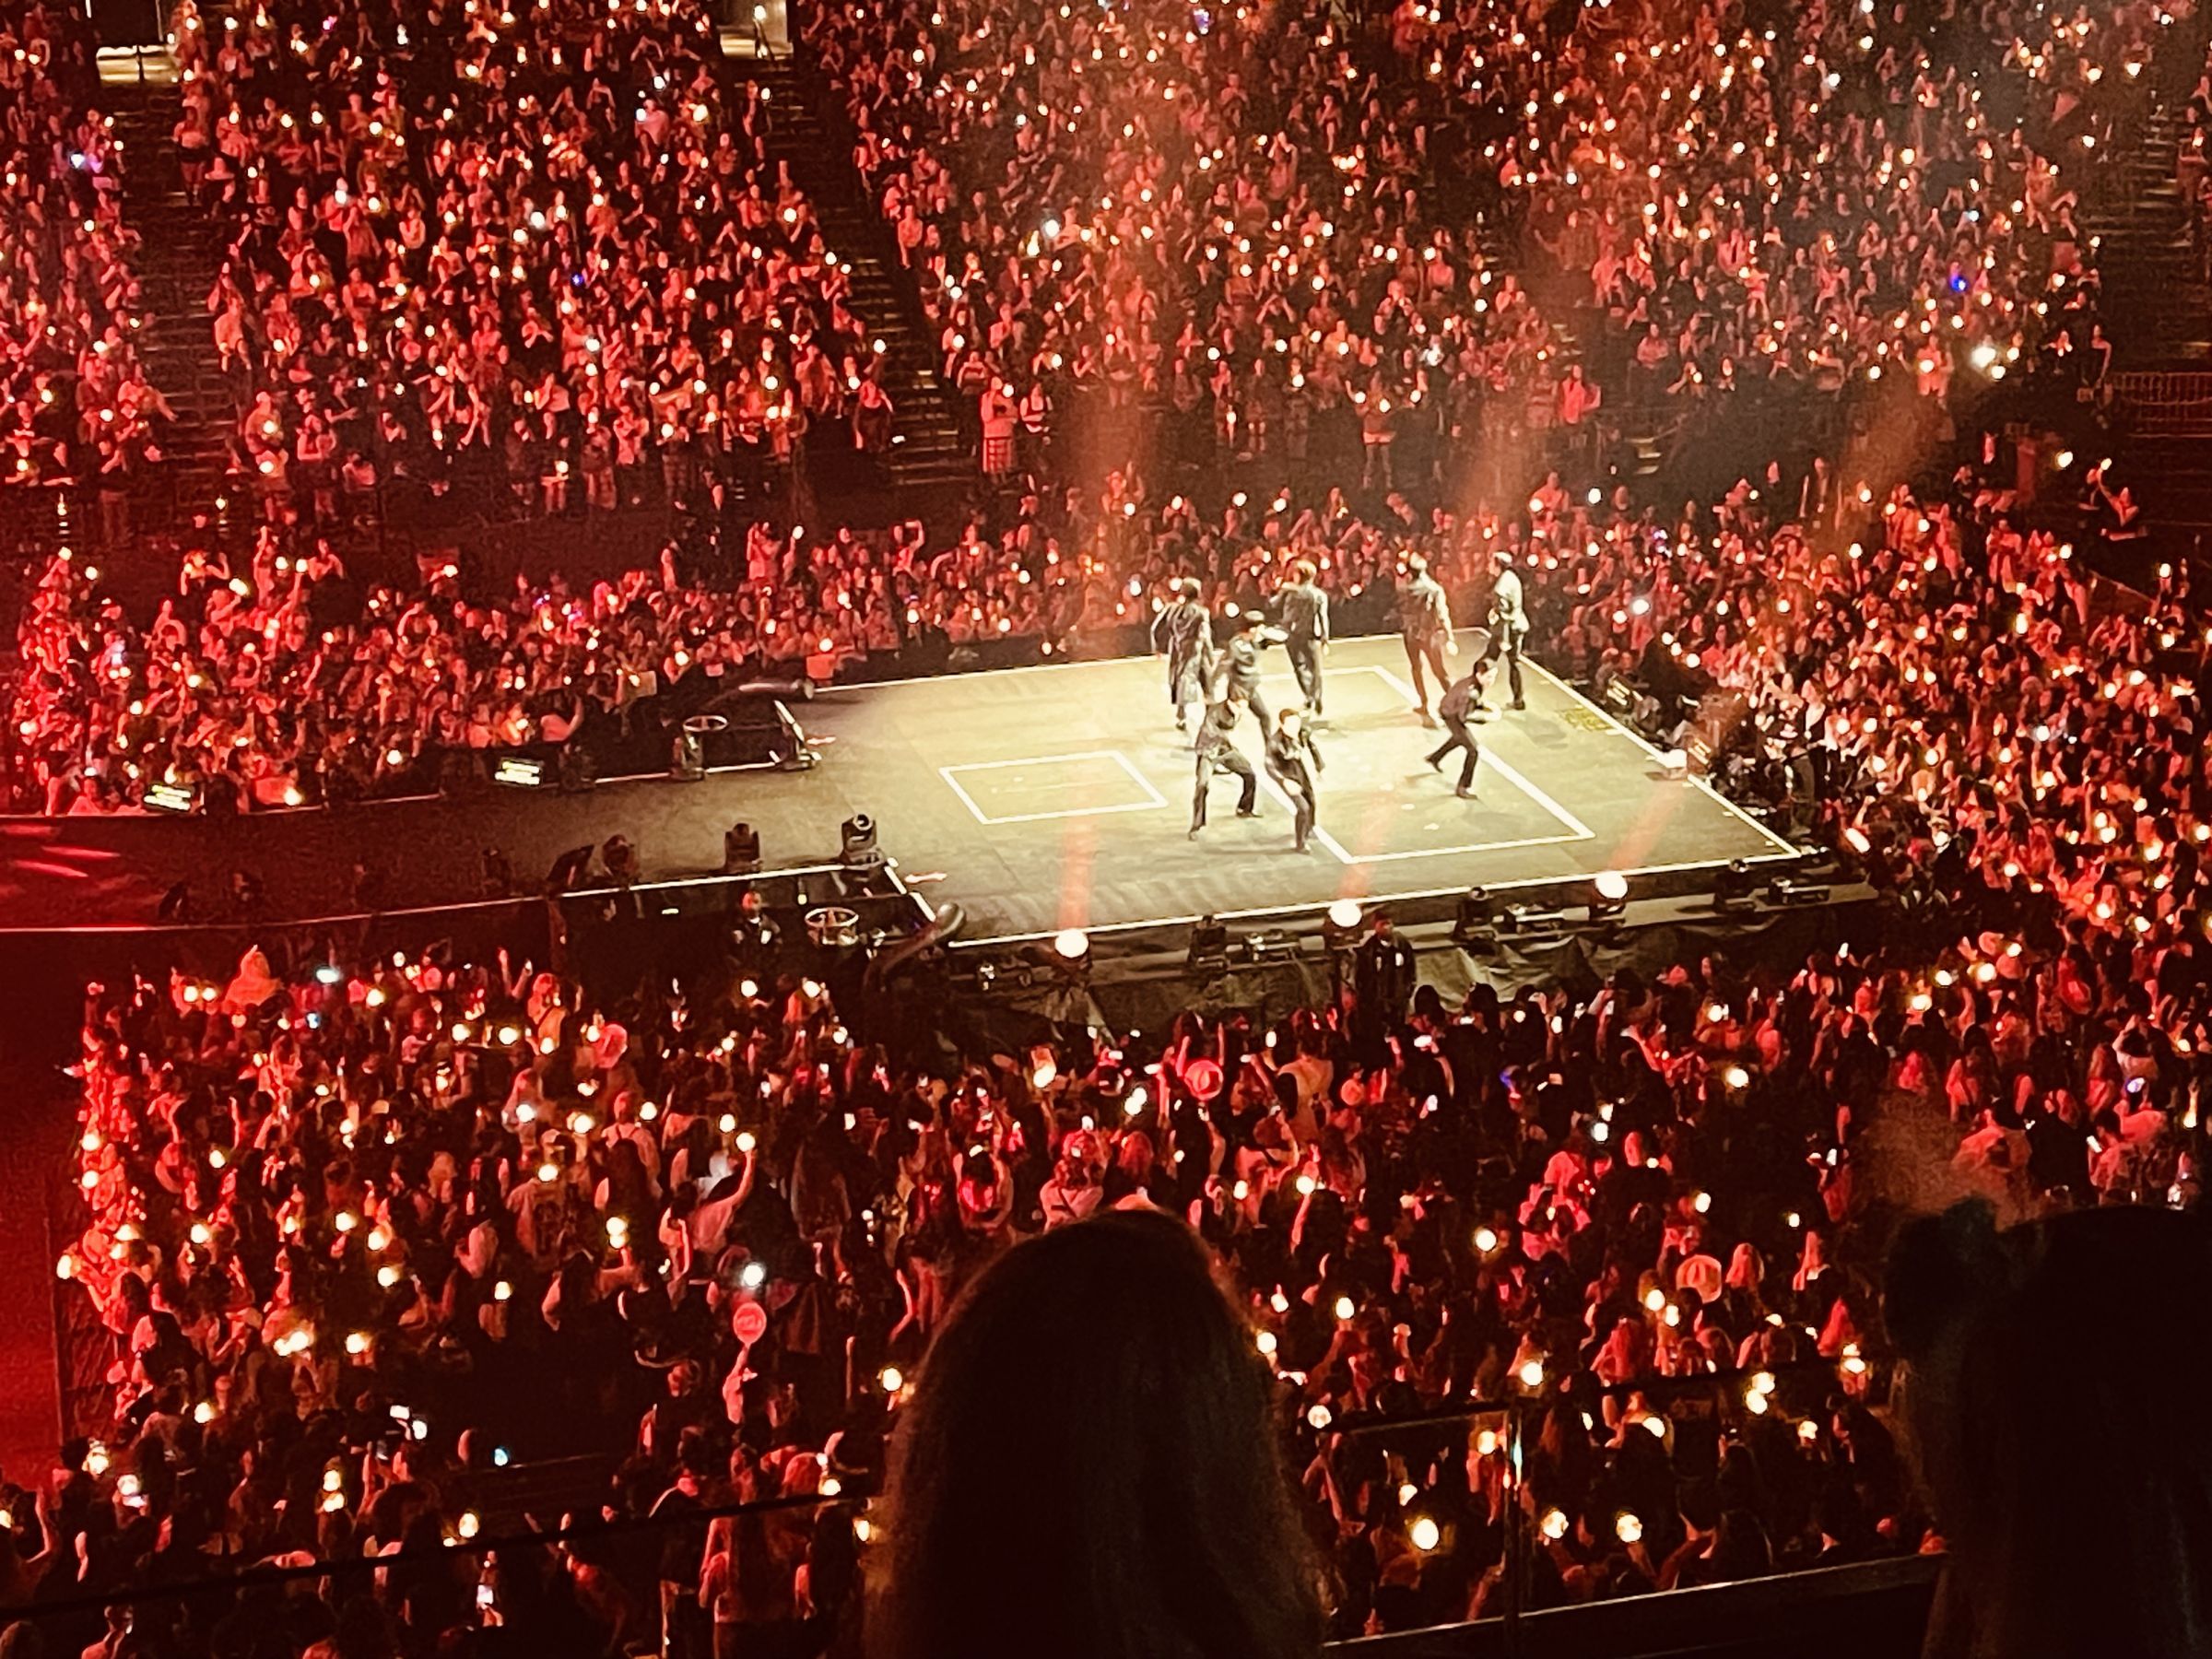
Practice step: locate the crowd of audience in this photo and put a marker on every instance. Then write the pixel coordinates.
(78, 407)
(365, 1232)
(537, 254)
(1285, 243)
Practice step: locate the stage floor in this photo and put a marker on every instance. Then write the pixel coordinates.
(1041, 798)
(1059, 796)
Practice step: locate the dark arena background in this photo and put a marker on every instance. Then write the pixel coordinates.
(684, 679)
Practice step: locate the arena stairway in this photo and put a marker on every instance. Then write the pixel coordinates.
(931, 451)
(2155, 295)
(177, 262)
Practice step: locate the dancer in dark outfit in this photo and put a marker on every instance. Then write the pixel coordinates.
(1304, 620)
(1241, 668)
(1296, 766)
(1186, 631)
(1453, 708)
(1217, 752)
(1425, 624)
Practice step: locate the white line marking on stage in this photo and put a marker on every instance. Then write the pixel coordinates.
(1153, 802)
(1578, 831)
(1641, 742)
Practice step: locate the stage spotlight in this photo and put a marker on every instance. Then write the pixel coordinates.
(1208, 953)
(1071, 944)
(740, 850)
(1790, 890)
(1340, 925)
(859, 851)
(1525, 917)
(1474, 930)
(1610, 895)
(1732, 888)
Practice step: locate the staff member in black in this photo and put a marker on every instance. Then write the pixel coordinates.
(1458, 702)
(1305, 620)
(1218, 752)
(1296, 766)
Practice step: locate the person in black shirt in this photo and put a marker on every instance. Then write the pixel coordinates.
(1382, 974)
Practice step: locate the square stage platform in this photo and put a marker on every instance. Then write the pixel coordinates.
(1059, 796)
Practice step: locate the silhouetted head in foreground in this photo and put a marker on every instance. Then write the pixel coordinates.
(1088, 1470)
(2054, 1399)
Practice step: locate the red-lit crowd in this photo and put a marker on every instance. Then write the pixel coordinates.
(282, 677)
(75, 400)
(549, 256)
(541, 251)
(1286, 242)
(365, 1232)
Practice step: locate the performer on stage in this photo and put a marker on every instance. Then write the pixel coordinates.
(1296, 766)
(1218, 751)
(1457, 703)
(1425, 624)
(1240, 668)
(1305, 620)
(1509, 623)
(1184, 629)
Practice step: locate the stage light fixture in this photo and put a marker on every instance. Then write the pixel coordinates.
(1609, 890)
(858, 850)
(1734, 887)
(740, 850)
(1474, 930)
(1789, 889)
(518, 772)
(1208, 953)
(1071, 944)
(1528, 918)
(1340, 926)
(169, 797)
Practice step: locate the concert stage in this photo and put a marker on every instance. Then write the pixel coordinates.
(1038, 798)
(1060, 797)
